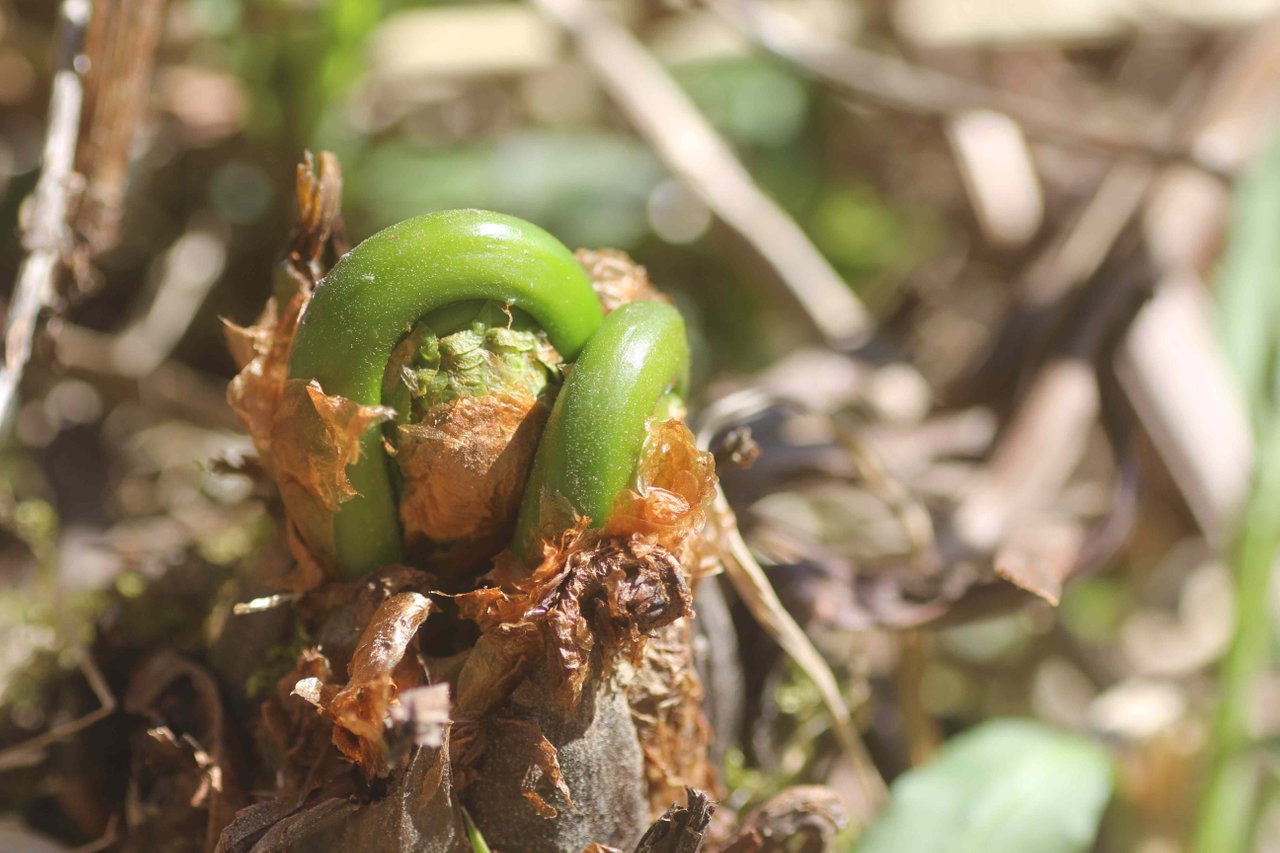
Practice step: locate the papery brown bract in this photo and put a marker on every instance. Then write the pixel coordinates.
(675, 486)
(288, 425)
(262, 352)
(379, 671)
(464, 468)
(314, 437)
(616, 278)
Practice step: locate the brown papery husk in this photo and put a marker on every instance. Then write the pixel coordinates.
(464, 467)
(378, 673)
(616, 278)
(261, 351)
(675, 486)
(314, 437)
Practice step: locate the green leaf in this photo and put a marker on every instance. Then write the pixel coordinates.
(1006, 785)
(1248, 287)
(478, 844)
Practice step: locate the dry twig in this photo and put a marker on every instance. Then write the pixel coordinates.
(869, 76)
(31, 751)
(121, 47)
(45, 233)
(692, 149)
(753, 587)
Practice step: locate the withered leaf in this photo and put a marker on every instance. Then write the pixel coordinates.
(613, 592)
(361, 708)
(314, 437)
(675, 486)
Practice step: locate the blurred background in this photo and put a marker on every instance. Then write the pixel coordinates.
(993, 287)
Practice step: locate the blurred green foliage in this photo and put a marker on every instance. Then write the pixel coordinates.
(1248, 295)
(1005, 786)
(587, 187)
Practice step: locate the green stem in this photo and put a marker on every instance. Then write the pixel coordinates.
(1230, 803)
(375, 295)
(597, 428)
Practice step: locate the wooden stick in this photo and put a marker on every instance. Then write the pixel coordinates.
(45, 233)
(690, 147)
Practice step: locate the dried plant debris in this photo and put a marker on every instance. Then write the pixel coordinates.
(1039, 556)
(297, 741)
(681, 829)
(261, 352)
(665, 695)
(319, 238)
(860, 518)
(305, 438)
(801, 819)
(616, 278)
(616, 586)
(379, 671)
(675, 487)
(612, 594)
(595, 785)
(418, 811)
(187, 767)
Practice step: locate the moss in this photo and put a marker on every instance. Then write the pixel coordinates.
(277, 661)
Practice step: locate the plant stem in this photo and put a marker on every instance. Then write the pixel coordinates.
(1229, 807)
(597, 429)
